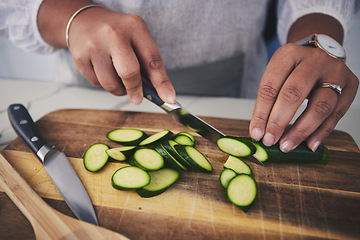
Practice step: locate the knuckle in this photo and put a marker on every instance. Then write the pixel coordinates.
(267, 93)
(129, 72)
(155, 62)
(291, 94)
(337, 115)
(322, 109)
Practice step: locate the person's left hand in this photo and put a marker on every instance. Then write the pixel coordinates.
(292, 75)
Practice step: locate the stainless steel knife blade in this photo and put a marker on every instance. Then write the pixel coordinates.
(56, 164)
(187, 119)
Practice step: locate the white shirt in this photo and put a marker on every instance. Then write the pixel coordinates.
(208, 47)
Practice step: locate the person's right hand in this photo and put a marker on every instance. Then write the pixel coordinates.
(112, 50)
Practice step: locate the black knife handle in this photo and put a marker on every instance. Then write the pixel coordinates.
(25, 127)
(150, 92)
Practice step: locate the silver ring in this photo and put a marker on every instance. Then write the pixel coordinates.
(334, 87)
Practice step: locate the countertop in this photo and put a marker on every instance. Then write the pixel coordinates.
(42, 98)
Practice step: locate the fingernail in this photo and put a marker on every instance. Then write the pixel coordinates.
(268, 139)
(136, 99)
(315, 146)
(287, 146)
(256, 134)
(171, 98)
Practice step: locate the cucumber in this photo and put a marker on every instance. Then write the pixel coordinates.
(95, 157)
(130, 177)
(301, 154)
(126, 136)
(160, 181)
(168, 158)
(225, 176)
(157, 137)
(188, 135)
(169, 146)
(242, 191)
(236, 146)
(120, 153)
(237, 165)
(184, 140)
(195, 158)
(147, 159)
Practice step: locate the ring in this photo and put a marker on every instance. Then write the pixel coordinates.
(334, 87)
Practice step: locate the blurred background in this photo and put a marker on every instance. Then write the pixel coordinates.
(17, 64)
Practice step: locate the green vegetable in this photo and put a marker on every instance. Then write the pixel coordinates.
(242, 191)
(95, 157)
(155, 138)
(126, 136)
(160, 181)
(120, 153)
(236, 146)
(225, 176)
(130, 177)
(195, 158)
(238, 165)
(147, 159)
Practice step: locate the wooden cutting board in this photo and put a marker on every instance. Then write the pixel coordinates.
(294, 201)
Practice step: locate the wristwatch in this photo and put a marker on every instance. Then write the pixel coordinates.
(325, 43)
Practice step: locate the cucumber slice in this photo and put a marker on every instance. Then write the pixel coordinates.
(225, 176)
(120, 153)
(147, 159)
(188, 135)
(126, 136)
(301, 154)
(168, 158)
(238, 165)
(169, 146)
(236, 146)
(160, 181)
(242, 191)
(195, 158)
(184, 140)
(95, 157)
(157, 137)
(130, 177)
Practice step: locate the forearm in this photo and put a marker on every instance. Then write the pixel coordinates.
(316, 23)
(53, 17)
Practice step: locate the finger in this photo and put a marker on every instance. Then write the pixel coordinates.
(321, 104)
(106, 74)
(152, 64)
(86, 69)
(343, 104)
(128, 68)
(292, 94)
(276, 72)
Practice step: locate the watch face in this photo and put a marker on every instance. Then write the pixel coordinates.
(331, 46)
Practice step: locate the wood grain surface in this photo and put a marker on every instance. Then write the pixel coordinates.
(294, 201)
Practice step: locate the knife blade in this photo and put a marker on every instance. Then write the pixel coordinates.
(187, 119)
(56, 164)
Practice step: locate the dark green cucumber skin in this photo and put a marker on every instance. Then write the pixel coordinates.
(176, 154)
(147, 194)
(181, 150)
(163, 138)
(244, 140)
(301, 154)
(167, 158)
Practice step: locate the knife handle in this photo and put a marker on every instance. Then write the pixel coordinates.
(25, 127)
(150, 92)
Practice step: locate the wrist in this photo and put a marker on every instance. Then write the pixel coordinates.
(316, 23)
(53, 17)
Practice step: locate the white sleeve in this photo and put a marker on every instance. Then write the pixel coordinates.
(291, 10)
(18, 23)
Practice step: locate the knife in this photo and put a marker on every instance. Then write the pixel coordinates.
(56, 164)
(187, 119)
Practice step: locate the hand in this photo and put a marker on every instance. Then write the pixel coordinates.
(112, 49)
(291, 76)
